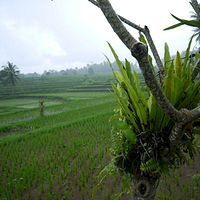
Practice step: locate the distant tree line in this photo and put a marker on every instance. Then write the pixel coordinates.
(90, 69)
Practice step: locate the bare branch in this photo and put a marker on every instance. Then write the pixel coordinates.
(196, 69)
(94, 2)
(148, 37)
(126, 21)
(196, 7)
(154, 50)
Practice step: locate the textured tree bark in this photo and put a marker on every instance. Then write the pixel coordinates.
(116, 24)
(143, 188)
(140, 52)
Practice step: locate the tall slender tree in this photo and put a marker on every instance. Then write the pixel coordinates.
(9, 75)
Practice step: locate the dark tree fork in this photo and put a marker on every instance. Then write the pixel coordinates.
(145, 189)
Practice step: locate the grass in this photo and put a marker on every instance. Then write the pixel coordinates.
(59, 155)
(42, 157)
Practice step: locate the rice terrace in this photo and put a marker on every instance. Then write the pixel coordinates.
(59, 154)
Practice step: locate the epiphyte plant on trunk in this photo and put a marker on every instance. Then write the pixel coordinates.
(152, 134)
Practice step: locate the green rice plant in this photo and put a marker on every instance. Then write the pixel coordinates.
(29, 189)
(108, 193)
(50, 186)
(36, 181)
(62, 175)
(193, 191)
(65, 195)
(57, 195)
(169, 186)
(177, 180)
(48, 196)
(181, 186)
(164, 197)
(196, 177)
(87, 175)
(76, 180)
(180, 171)
(82, 194)
(36, 171)
(79, 185)
(101, 185)
(39, 194)
(83, 180)
(185, 192)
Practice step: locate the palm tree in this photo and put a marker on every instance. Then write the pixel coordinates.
(197, 29)
(9, 75)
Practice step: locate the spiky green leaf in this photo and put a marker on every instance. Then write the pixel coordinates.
(173, 26)
(169, 83)
(140, 111)
(178, 65)
(125, 109)
(187, 56)
(127, 132)
(142, 38)
(129, 72)
(194, 23)
(139, 91)
(167, 58)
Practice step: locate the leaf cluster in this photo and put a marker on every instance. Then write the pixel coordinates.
(141, 136)
(9, 74)
(193, 23)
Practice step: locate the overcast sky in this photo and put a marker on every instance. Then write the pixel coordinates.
(39, 35)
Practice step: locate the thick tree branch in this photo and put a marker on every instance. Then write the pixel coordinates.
(179, 129)
(191, 115)
(94, 2)
(154, 50)
(148, 37)
(116, 23)
(196, 7)
(196, 69)
(140, 52)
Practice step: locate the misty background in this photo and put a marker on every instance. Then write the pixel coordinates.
(61, 35)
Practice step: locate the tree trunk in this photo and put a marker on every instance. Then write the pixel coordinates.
(143, 188)
(12, 90)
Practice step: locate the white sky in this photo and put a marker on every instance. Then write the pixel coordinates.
(38, 35)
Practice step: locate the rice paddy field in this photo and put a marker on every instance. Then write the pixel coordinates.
(59, 152)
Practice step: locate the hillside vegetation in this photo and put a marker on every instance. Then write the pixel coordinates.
(59, 153)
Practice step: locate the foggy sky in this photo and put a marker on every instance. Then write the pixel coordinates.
(38, 35)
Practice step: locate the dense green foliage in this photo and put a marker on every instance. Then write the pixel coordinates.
(9, 75)
(59, 155)
(74, 83)
(195, 22)
(141, 139)
(52, 152)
